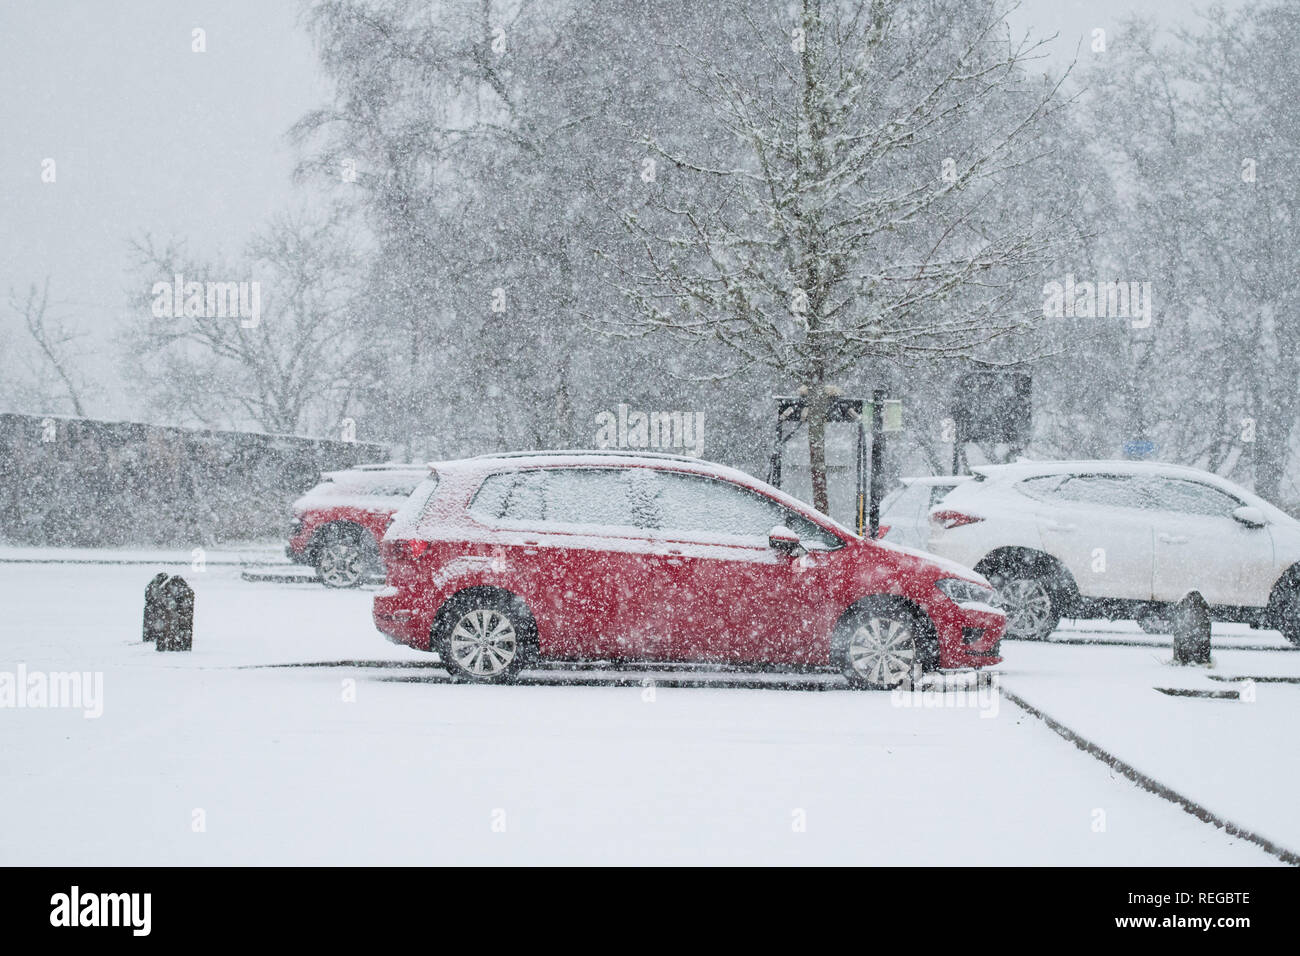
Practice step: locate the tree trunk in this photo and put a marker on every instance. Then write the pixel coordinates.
(818, 406)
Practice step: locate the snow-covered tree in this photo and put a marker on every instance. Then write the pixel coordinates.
(289, 363)
(847, 205)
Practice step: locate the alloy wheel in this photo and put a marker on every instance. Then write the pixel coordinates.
(483, 643)
(339, 564)
(881, 651)
(1028, 604)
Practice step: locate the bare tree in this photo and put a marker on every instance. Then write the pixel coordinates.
(53, 340)
(293, 367)
(1196, 126)
(849, 205)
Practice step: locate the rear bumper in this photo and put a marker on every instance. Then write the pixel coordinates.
(400, 619)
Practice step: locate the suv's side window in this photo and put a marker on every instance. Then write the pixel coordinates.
(587, 496)
(591, 497)
(1190, 497)
(697, 504)
(1114, 491)
(511, 496)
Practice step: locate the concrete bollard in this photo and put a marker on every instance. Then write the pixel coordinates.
(169, 614)
(154, 612)
(1191, 629)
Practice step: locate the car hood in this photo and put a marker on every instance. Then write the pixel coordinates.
(949, 568)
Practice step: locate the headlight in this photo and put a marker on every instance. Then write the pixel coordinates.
(961, 591)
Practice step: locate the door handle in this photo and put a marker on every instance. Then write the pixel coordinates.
(1172, 538)
(1053, 526)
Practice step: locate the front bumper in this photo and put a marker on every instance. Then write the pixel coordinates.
(969, 635)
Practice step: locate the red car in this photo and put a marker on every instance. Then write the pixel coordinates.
(337, 525)
(500, 560)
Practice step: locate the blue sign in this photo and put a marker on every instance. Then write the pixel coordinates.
(1139, 448)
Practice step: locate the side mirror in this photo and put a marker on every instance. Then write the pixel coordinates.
(783, 539)
(1250, 516)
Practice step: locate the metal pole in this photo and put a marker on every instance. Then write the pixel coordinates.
(861, 462)
(774, 466)
(877, 457)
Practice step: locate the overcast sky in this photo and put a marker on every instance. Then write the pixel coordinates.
(148, 136)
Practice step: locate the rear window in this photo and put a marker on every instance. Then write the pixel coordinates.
(418, 503)
(939, 492)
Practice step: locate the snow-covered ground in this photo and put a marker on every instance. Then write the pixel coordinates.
(218, 756)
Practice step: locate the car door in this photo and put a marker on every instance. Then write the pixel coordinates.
(732, 596)
(572, 550)
(1097, 525)
(1200, 546)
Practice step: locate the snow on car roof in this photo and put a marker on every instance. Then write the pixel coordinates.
(588, 453)
(374, 474)
(1025, 469)
(391, 466)
(935, 479)
(539, 459)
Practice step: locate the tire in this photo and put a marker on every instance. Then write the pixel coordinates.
(879, 644)
(340, 559)
(1031, 598)
(1286, 613)
(485, 637)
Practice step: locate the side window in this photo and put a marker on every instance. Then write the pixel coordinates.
(588, 496)
(1043, 488)
(1112, 491)
(1190, 497)
(700, 505)
(512, 496)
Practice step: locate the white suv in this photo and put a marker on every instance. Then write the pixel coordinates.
(1123, 540)
(905, 512)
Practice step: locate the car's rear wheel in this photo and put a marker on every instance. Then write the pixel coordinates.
(341, 559)
(877, 644)
(1029, 598)
(486, 638)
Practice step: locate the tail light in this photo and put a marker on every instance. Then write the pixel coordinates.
(952, 519)
(403, 549)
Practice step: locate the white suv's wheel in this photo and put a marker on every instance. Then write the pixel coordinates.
(1029, 601)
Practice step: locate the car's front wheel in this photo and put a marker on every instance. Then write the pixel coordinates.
(1029, 599)
(485, 638)
(878, 644)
